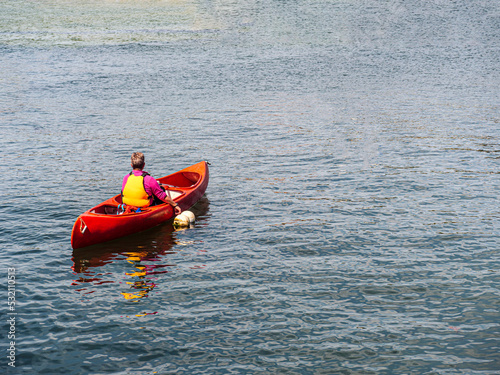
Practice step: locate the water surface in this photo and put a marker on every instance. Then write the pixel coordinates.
(351, 220)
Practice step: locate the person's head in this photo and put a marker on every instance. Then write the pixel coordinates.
(137, 160)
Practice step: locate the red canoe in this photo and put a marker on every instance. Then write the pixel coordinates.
(102, 223)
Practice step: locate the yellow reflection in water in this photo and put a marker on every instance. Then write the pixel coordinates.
(143, 285)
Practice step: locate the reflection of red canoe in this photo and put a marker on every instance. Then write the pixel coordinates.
(101, 223)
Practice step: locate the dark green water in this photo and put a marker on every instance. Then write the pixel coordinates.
(351, 223)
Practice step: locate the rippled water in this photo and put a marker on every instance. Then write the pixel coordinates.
(351, 223)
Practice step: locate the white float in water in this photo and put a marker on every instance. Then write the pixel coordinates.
(184, 219)
(190, 216)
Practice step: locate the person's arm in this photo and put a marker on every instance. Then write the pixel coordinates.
(158, 192)
(170, 201)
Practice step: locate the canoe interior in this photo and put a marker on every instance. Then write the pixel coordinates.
(181, 179)
(105, 209)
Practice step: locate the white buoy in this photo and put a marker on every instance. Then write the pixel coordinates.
(190, 216)
(184, 219)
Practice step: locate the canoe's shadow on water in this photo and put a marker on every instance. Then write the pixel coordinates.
(150, 243)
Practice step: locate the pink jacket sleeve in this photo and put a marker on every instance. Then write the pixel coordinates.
(152, 187)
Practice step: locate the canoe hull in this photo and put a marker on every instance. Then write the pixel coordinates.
(102, 224)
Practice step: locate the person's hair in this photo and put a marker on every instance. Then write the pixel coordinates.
(137, 160)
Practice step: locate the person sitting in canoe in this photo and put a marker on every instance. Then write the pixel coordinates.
(139, 189)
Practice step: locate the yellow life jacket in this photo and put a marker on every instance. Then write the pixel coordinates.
(134, 193)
